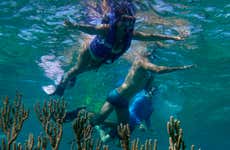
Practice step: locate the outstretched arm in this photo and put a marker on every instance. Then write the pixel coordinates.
(141, 36)
(90, 29)
(163, 69)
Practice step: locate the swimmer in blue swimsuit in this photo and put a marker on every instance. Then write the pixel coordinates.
(113, 38)
(140, 111)
(141, 72)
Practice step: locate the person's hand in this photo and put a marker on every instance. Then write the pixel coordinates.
(184, 34)
(178, 38)
(189, 66)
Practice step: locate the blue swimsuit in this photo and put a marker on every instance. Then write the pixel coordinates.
(140, 110)
(101, 47)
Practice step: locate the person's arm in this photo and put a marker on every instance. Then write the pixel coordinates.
(90, 29)
(141, 36)
(163, 69)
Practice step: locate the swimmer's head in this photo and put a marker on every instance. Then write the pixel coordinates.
(124, 14)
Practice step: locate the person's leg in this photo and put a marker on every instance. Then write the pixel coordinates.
(106, 109)
(85, 63)
(71, 115)
(122, 115)
(114, 100)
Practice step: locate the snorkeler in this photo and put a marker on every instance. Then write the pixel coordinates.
(113, 38)
(139, 75)
(140, 111)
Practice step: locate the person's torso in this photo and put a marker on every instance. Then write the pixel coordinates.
(105, 50)
(113, 43)
(135, 81)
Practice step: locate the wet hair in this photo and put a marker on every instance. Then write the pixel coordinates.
(123, 8)
(124, 11)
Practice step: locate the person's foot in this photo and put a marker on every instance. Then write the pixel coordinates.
(60, 89)
(71, 115)
(104, 136)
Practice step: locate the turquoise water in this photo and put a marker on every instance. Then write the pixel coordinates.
(35, 48)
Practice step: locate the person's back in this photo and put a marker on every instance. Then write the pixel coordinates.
(136, 79)
(140, 109)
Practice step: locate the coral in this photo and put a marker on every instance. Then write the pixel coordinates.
(53, 128)
(41, 143)
(149, 145)
(83, 132)
(12, 117)
(124, 133)
(52, 115)
(29, 144)
(176, 141)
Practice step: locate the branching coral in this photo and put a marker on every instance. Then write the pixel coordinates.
(52, 115)
(175, 133)
(124, 133)
(12, 117)
(83, 132)
(29, 144)
(149, 145)
(176, 141)
(41, 143)
(54, 129)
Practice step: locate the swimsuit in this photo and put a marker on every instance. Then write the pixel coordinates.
(140, 109)
(117, 100)
(101, 47)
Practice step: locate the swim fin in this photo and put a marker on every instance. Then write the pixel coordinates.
(54, 90)
(49, 89)
(59, 89)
